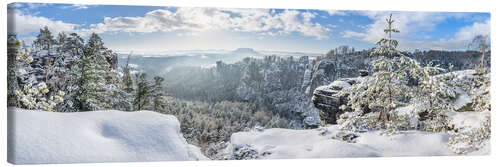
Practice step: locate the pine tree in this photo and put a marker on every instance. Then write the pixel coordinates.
(127, 78)
(93, 72)
(45, 40)
(142, 92)
(71, 48)
(387, 70)
(158, 94)
(385, 90)
(125, 90)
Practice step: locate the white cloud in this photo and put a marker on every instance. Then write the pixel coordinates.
(350, 34)
(21, 23)
(406, 22)
(335, 12)
(262, 21)
(76, 7)
(410, 23)
(461, 38)
(206, 19)
(469, 32)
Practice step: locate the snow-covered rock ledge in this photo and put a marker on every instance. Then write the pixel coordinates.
(38, 137)
(326, 142)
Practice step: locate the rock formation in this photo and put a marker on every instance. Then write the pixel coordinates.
(329, 98)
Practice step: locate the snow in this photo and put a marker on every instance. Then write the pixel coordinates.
(339, 85)
(324, 88)
(318, 143)
(462, 100)
(39, 137)
(467, 119)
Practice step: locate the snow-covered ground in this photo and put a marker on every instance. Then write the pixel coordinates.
(467, 119)
(319, 143)
(101, 136)
(38, 137)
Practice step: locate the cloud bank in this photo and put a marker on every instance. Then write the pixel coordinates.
(412, 23)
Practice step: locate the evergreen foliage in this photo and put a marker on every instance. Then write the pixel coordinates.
(210, 125)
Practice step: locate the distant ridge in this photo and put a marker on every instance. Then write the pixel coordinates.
(244, 51)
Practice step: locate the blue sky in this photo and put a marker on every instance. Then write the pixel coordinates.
(153, 29)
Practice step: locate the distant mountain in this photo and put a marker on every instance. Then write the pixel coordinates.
(159, 64)
(247, 51)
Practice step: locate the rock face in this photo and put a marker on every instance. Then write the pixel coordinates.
(329, 99)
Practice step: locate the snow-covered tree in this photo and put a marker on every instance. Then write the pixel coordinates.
(158, 94)
(125, 90)
(385, 90)
(127, 77)
(433, 98)
(93, 74)
(481, 96)
(142, 98)
(45, 40)
(35, 97)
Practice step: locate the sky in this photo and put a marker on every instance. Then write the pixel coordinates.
(154, 29)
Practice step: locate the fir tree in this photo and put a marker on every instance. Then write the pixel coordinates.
(71, 47)
(127, 78)
(387, 70)
(158, 94)
(93, 70)
(142, 92)
(126, 89)
(385, 90)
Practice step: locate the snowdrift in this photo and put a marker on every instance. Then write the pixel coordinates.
(39, 137)
(319, 143)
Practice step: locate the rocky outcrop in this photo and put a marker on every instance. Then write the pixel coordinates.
(330, 98)
(327, 70)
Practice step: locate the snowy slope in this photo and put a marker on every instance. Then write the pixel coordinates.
(100, 136)
(318, 143)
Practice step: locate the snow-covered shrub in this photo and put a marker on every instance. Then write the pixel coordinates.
(357, 122)
(245, 152)
(481, 100)
(433, 99)
(35, 97)
(467, 139)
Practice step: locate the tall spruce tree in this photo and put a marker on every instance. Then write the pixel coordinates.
(126, 90)
(127, 77)
(158, 94)
(93, 71)
(72, 49)
(142, 99)
(385, 90)
(387, 70)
